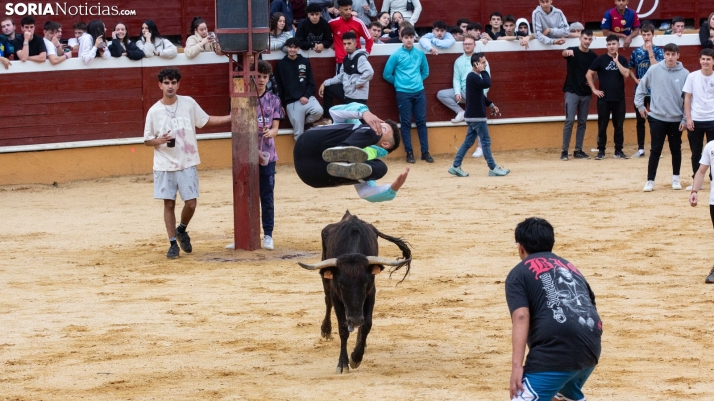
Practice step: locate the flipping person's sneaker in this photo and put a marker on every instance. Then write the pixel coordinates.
(427, 157)
(649, 186)
(498, 172)
(640, 153)
(600, 155)
(619, 155)
(478, 152)
(710, 277)
(351, 154)
(676, 185)
(410, 157)
(564, 155)
(268, 243)
(579, 154)
(173, 252)
(457, 171)
(352, 171)
(184, 241)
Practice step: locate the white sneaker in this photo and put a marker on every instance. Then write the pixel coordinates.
(478, 152)
(676, 185)
(268, 243)
(689, 188)
(459, 117)
(649, 186)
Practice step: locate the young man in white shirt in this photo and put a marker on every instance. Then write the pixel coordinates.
(699, 106)
(705, 163)
(171, 129)
(53, 34)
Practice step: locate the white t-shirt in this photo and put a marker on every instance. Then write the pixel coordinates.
(51, 49)
(708, 159)
(702, 89)
(72, 42)
(160, 119)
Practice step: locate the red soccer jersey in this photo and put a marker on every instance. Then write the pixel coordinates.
(339, 26)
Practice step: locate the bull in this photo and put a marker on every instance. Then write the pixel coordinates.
(349, 264)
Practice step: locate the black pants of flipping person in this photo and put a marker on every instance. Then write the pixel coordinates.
(659, 130)
(604, 109)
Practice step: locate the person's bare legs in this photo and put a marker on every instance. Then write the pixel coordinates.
(170, 217)
(189, 208)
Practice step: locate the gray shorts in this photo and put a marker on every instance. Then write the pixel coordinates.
(166, 183)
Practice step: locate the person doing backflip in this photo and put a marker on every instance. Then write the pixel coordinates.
(348, 152)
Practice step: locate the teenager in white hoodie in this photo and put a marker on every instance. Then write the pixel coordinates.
(153, 44)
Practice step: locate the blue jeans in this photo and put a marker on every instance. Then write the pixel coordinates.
(413, 103)
(546, 385)
(476, 129)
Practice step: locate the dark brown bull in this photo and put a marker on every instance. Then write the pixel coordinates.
(349, 264)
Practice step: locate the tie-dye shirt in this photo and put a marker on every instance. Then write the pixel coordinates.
(269, 109)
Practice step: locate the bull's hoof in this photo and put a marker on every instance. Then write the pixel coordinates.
(327, 336)
(353, 364)
(340, 370)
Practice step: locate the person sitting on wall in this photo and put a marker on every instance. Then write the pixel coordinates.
(52, 43)
(348, 153)
(677, 26)
(437, 39)
(200, 40)
(123, 46)
(293, 74)
(92, 43)
(314, 32)
(80, 28)
(621, 22)
(29, 46)
(351, 84)
(153, 44)
(549, 24)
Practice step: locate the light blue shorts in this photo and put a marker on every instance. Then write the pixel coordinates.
(166, 183)
(543, 386)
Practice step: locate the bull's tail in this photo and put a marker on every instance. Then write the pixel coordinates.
(404, 247)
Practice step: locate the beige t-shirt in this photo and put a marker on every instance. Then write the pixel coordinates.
(160, 119)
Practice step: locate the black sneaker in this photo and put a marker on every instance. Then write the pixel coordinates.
(173, 252)
(564, 155)
(351, 171)
(350, 154)
(184, 241)
(600, 155)
(410, 158)
(620, 155)
(427, 157)
(579, 154)
(710, 277)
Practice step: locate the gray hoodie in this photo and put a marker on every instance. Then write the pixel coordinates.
(667, 101)
(350, 82)
(555, 20)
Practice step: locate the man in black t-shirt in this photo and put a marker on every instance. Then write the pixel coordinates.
(29, 46)
(553, 312)
(577, 93)
(611, 69)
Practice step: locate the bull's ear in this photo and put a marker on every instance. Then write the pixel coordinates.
(376, 269)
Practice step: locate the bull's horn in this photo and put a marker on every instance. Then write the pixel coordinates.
(376, 260)
(321, 265)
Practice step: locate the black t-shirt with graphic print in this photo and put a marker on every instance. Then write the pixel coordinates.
(565, 329)
(611, 80)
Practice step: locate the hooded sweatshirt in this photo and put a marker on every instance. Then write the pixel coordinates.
(362, 74)
(520, 21)
(555, 20)
(295, 79)
(309, 34)
(667, 102)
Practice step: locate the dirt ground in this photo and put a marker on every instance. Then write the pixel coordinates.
(90, 308)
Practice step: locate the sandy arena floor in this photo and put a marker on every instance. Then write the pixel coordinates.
(90, 307)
